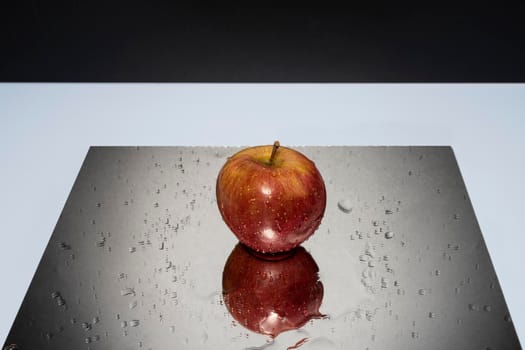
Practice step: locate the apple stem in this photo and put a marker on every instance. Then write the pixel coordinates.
(276, 145)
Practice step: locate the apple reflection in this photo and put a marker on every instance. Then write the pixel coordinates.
(272, 295)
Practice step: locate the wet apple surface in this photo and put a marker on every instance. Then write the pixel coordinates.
(272, 296)
(272, 198)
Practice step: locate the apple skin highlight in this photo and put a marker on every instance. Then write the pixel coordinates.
(272, 198)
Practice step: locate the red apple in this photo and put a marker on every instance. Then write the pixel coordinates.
(272, 296)
(273, 198)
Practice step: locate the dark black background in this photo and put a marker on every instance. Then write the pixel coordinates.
(192, 42)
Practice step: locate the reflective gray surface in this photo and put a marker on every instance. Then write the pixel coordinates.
(137, 256)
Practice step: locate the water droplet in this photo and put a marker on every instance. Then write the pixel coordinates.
(123, 324)
(345, 205)
(204, 338)
(133, 304)
(507, 318)
(487, 308)
(127, 291)
(369, 316)
(431, 315)
(101, 242)
(421, 292)
(473, 307)
(456, 216)
(11, 347)
(132, 249)
(96, 319)
(371, 263)
(134, 323)
(437, 272)
(86, 326)
(64, 246)
(389, 234)
(388, 211)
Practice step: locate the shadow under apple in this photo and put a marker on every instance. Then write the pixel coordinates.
(273, 293)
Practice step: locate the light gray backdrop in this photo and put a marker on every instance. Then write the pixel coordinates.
(46, 130)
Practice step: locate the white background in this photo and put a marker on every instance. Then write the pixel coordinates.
(46, 130)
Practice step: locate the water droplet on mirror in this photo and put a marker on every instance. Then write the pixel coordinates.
(388, 211)
(421, 292)
(487, 308)
(64, 246)
(101, 242)
(345, 205)
(389, 234)
(134, 323)
(127, 291)
(473, 307)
